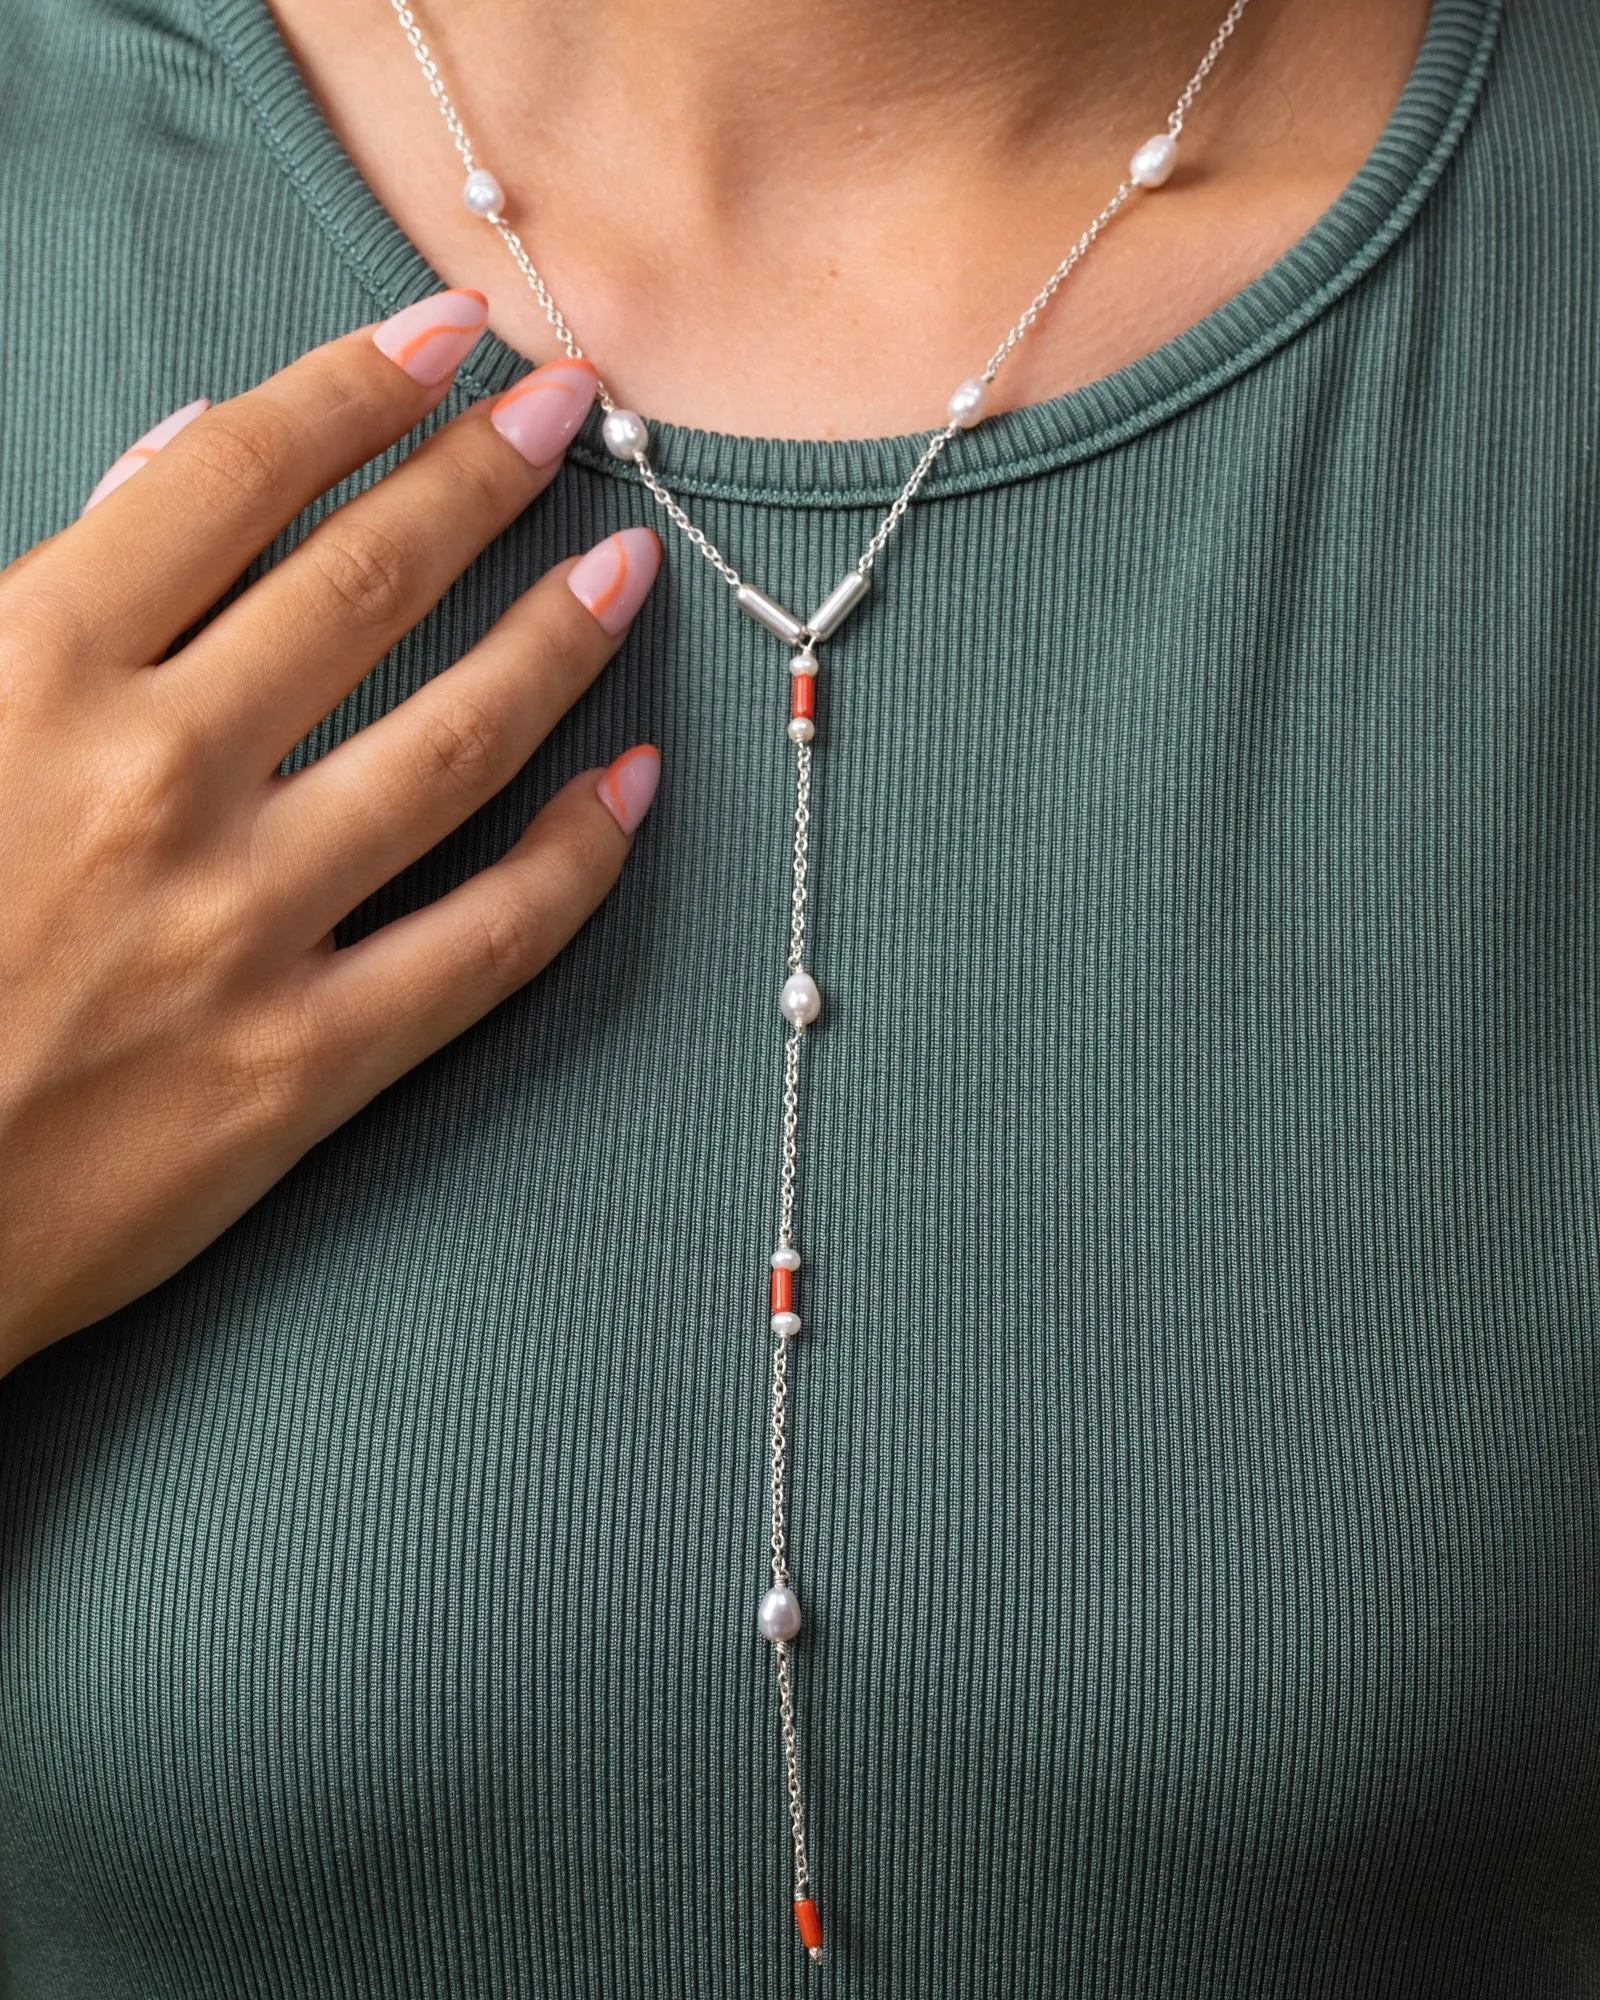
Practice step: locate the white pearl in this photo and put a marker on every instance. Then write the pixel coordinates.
(1152, 165)
(780, 1614)
(800, 1001)
(803, 663)
(785, 1259)
(969, 402)
(626, 433)
(801, 729)
(786, 1325)
(482, 193)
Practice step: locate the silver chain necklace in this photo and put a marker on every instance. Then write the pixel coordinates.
(627, 437)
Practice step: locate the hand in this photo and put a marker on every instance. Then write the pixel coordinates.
(179, 1029)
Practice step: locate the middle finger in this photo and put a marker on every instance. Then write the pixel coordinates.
(287, 652)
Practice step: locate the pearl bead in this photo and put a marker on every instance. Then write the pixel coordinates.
(780, 1614)
(626, 433)
(969, 402)
(786, 1325)
(800, 1001)
(804, 662)
(801, 729)
(785, 1259)
(1152, 165)
(482, 193)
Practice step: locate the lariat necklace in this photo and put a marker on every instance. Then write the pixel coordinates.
(627, 437)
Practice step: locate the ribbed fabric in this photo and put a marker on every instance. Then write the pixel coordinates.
(1196, 1500)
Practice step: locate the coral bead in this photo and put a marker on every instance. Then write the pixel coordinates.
(805, 1915)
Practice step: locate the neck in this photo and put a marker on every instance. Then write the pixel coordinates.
(812, 217)
(739, 85)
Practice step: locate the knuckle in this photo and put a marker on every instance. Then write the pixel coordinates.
(591, 846)
(457, 744)
(363, 569)
(479, 481)
(43, 632)
(138, 795)
(272, 1064)
(330, 382)
(504, 947)
(237, 458)
(568, 653)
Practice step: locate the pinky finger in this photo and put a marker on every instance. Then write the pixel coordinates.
(409, 988)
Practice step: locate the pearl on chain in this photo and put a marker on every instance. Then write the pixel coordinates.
(786, 1324)
(780, 1614)
(626, 433)
(1152, 165)
(969, 403)
(785, 1258)
(483, 194)
(800, 1001)
(801, 729)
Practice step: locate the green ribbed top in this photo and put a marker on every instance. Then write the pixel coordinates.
(1197, 1505)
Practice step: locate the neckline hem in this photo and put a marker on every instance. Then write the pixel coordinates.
(1348, 239)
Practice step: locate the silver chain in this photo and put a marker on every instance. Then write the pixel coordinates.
(937, 443)
(940, 439)
(1196, 83)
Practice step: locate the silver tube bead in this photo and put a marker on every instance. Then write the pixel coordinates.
(767, 611)
(837, 606)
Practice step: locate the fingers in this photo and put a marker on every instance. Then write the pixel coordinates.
(345, 825)
(287, 652)
(164, 546)
(416, 984)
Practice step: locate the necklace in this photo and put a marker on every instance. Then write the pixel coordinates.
(627, 437)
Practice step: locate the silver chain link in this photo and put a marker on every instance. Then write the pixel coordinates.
(1196, 83)
(935, 446)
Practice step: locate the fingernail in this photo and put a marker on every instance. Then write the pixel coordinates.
(628, 786)
(431, 339)
(541, 414)
(612, 579)
(140, 454)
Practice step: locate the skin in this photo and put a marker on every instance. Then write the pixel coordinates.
(813, 218)
(743, 238)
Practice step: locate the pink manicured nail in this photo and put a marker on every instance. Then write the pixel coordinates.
(140, 454)
(613, 577)
(431, 339)
(541, 414)
(627, 788)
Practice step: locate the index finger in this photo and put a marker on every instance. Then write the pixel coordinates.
(165, 545)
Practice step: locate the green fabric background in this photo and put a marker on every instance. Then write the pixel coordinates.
(1197, 1499)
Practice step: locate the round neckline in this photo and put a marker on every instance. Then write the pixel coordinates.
(1367, 218)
